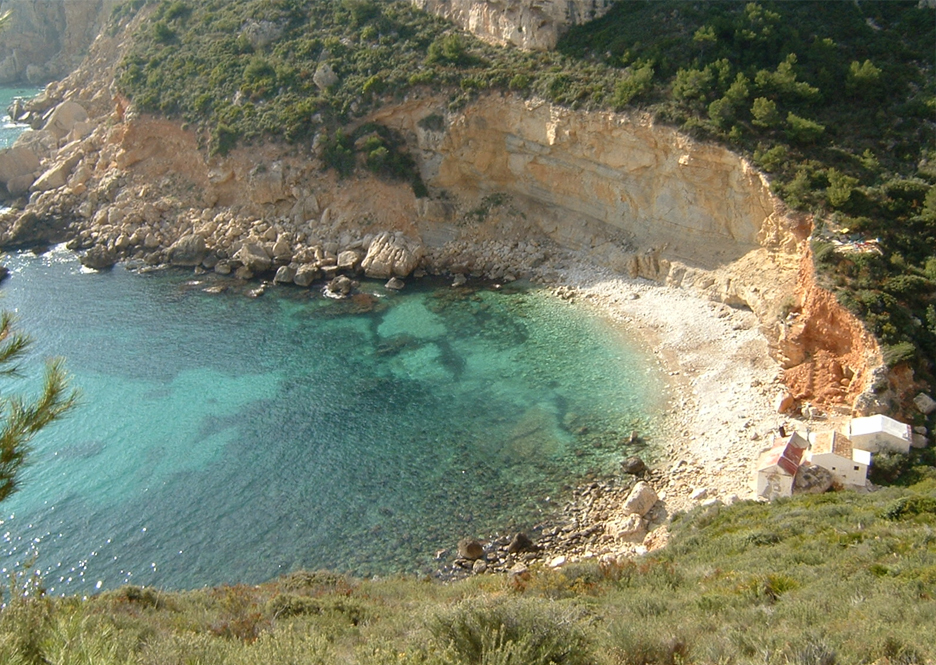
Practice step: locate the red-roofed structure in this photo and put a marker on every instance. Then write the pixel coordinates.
(777, 467)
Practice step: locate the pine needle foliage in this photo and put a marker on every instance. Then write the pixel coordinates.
(20, 418)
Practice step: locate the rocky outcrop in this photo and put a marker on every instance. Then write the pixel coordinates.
(46, 40)
(529, 24)
(390, 256)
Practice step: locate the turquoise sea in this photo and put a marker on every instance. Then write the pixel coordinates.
(9, 130)
(223, 439)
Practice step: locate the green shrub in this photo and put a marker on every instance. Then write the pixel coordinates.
(635, 82)
(911, 506)
(764, 112)
(901, 352)
(803, 130)
(518, 631)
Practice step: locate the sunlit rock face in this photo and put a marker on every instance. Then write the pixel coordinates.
(46, 40)
(529, 24)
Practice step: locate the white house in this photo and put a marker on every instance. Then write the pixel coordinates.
(877, 433)
(777, 466)
(835, 452)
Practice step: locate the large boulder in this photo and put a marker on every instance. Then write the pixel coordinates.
(812, 479)
(924, 403)
(56, 176)
(306, 274)
(629, 528)
(98, 258)
(266, 183)
(391, 255)
(285, 274)
(32, 230)
(471, 549)
(17, 162)
(348, 260)
(254, 257)
(63, 119)
(324, 77)
(640, 500)
(188, 250)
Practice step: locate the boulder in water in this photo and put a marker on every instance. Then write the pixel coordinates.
(306, 274)
(188, 250)
(98, 258)
(254, 257)
(390, 255)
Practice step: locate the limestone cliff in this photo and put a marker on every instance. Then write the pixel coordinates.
(529, 24)
(47, 39)
(518, 188)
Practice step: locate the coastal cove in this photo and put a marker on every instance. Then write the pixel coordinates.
(225, 439)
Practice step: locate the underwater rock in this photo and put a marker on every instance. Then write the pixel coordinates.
(395, 284)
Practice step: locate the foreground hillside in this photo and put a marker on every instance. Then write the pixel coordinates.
(835, 578)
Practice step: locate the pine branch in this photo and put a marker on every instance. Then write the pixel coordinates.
(12, 346)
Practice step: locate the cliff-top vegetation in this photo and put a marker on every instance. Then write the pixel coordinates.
(815, 580)
(835, 100)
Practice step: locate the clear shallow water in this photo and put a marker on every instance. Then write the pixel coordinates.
(9, 130)
(222, 439)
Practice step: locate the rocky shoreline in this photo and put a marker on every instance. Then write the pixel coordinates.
(682, 242)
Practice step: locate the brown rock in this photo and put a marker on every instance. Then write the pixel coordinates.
(471, 549)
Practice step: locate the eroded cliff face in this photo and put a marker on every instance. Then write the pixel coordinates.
(518, 189)
(47, 39)
(828, 357)
(529, 24)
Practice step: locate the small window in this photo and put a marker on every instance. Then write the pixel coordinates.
(857, 468)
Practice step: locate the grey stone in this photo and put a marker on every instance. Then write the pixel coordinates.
(471, 549)
(395, 284)
(521, 543)
(188, 250)
(811, 479)
(325, 76)
(98, 258)
(634, 466)
(306, 274)
(924, 403)
(285, 275)
(254, 257)
(348, 260)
